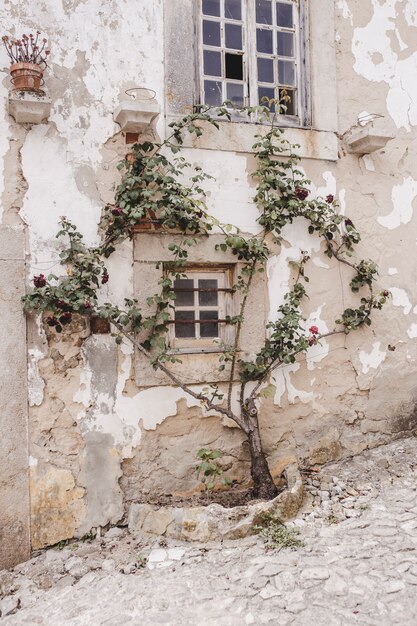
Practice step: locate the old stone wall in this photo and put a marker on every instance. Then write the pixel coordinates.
(99, 437)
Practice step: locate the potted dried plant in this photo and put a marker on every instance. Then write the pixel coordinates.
(28, 56)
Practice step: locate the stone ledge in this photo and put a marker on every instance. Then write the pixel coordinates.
(240, 137)
(214, 522)
(29, 107)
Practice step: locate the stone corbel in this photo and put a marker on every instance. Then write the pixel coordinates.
(135, 116)
(29, 107)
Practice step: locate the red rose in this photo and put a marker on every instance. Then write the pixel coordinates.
(301, 193)
(313, 330)
(104, 278)
(117, 211)
(51, 321)
(39, 281)
(65, 318)
(329, 198)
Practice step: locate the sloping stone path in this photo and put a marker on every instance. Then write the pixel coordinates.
(358, 565)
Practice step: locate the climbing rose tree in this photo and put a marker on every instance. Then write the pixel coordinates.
(153, 189)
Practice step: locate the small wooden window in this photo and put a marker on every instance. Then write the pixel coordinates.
(203, 302)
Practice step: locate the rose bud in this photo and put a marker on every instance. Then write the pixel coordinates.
(312, 341)
(104, 278)
(386, 293)
(65, 318)
(117, 211)
(39, 281)
(313, 330)
(87, 304)
(51, 321)
(329, 198)
(301, 193)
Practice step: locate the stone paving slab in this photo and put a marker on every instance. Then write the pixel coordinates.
(352, 570)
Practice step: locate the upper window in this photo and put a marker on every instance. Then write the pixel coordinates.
(250, 51)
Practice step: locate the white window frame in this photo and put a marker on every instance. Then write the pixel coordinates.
(226, 307)
(250, 72)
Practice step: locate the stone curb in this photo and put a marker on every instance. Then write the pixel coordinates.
(214, 522)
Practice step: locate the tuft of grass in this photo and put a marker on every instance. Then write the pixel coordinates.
(275, 534)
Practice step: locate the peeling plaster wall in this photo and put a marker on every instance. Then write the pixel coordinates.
(97, 440)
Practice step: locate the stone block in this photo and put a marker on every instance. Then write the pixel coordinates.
(29, 107)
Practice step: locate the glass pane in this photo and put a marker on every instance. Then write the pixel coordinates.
(234, 66)
(235, 94)
(264, 93)
(264, 41)
(286, 44)
(211, 33)
(213, 93)
(265, 70)
(263, 11)
(212, 63)
(233, 36)
(211, 7)
(286, 72)
(208, 298)
(209, 328)
(284, 15)
(292, 103)
(183, 324)
(233, 9)
(183, 288)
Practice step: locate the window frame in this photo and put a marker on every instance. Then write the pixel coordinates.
(226, 307)
(303, 104)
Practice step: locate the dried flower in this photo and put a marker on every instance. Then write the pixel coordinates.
(26, 49)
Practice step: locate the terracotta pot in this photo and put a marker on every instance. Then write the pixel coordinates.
(26, 76)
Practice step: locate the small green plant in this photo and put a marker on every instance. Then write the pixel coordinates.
(275, 534)
(332, 519)
(209, 469)
(141, 561)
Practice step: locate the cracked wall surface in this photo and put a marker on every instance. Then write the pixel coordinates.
(99, 436)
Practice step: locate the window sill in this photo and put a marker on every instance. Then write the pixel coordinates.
(240, 137)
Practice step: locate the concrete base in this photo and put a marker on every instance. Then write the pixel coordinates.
(14, 457)
(29, 107)
(136, 115)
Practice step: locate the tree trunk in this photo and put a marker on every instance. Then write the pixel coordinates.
(263, 484)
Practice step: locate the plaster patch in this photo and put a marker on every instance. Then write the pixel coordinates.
(281, 378)
(36, 384)
(319, 263)
(373, 40)
(342, 201)
(368, 162)
(392, 271)
(401, 299)
(343, 6)
(403, 196)
(373, 359)
(41, 210)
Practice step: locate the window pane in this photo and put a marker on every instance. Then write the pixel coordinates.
(234, 66)
(186, 328)
(212, 63)
(213, 93)
(264, 41)
(286, 72)
(263, 11)
(265, 70)
(233, 9)
(233, 36)
(208, 298)
(209, 329)
(266, 92)
(211, 7)
(184, 298)
(211, 33)
(284, 15)
(235, 94)
(286, 44)
(291, 105)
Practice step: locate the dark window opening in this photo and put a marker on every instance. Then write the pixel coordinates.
(234, 66)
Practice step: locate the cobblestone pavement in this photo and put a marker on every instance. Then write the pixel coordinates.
(358, 565)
